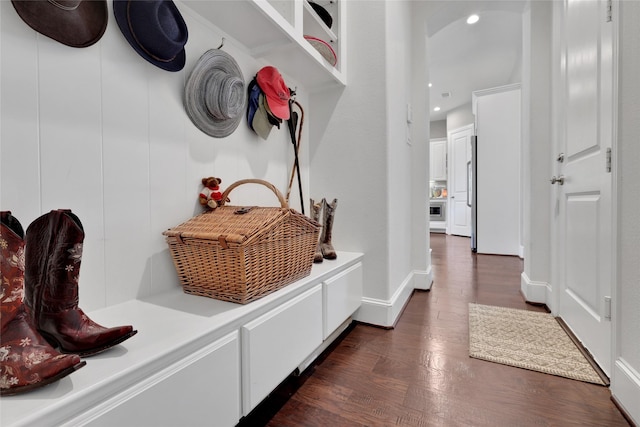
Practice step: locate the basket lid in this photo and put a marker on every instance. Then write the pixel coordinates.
(236, 224)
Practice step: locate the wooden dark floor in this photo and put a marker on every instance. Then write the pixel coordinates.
(420, 374)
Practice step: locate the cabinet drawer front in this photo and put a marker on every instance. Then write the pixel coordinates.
(204, 390)
(342, 296)
(274, 344)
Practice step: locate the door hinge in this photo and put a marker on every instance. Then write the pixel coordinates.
(609, 10)
(607, 308)
(607, 165)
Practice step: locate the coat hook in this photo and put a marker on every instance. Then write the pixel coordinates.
(221, 44)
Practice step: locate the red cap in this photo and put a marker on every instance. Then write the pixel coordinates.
(275, 91)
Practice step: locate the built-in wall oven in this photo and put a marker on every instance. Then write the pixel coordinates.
(438, 210)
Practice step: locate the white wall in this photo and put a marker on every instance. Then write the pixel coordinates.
(460, 117)
(537, 156)
(102, 132)
(399, 149)
(348, 155)
(438, 129)
(362, 157)
(626, 377)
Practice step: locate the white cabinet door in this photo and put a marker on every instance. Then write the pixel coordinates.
(203, 389)
(274, 344)
(438, 160)
(342, 295)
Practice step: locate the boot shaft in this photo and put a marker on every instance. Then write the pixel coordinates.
(53, 257)
(316, 208)
(12, 260)
(329, 210)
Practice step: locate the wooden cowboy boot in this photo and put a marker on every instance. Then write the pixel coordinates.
(327, 224)
(53, 257)
(27, 361)
(316, 208)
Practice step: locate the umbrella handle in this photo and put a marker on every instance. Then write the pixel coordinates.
(296, 146)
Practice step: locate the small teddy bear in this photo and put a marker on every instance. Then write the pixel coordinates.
(211, 195)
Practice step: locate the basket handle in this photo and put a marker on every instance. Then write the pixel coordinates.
(281, 199)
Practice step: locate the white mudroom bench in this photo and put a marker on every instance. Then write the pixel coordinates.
(198, 361)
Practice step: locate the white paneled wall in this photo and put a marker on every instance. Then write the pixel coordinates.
(102, 132)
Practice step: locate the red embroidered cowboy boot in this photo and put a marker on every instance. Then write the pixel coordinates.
(53, 257)
(27, 361)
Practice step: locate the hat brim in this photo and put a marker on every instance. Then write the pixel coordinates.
(279, 108)
(260, 123)
(120, 12)
(324, 48)
(322, 13)
(81, 27)
(194, 94)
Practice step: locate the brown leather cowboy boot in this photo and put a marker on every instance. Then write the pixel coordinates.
(53, 256)
(27, 361)
(327, 224)
(316, 208)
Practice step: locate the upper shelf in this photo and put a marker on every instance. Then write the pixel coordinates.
(314, 26)
(277, 35)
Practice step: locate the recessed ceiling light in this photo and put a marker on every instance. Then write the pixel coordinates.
(436, 109)
(430, 85)
(472, 19)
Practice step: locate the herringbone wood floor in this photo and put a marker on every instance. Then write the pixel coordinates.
(420, 374)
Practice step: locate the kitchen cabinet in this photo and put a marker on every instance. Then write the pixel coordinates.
(438, 160)
(275, 30)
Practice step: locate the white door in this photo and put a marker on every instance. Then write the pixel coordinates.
(584, 218)
(460, 155)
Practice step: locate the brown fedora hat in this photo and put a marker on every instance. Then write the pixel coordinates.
(74, 23)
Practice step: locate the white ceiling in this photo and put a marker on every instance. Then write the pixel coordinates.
(464, 58)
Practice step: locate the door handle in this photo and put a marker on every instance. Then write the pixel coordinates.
(558, 180)
(468, 189)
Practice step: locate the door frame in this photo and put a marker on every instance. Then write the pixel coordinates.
(559, 106)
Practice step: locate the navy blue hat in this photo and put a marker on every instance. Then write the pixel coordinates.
(155, 29)
(254, 95)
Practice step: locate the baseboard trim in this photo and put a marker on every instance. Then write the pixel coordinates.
(385, 313)
(625, 389)
(423, 279)
(535, 292)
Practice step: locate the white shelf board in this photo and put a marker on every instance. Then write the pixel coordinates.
(315, 26)
(266, 34)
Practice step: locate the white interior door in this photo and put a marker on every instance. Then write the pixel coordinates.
(459, 222)
(584, 218)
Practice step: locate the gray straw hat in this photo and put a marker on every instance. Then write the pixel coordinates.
(215, 94)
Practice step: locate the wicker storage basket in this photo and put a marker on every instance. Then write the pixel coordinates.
(240, 254)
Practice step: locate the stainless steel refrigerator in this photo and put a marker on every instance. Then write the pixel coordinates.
(495, 174)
